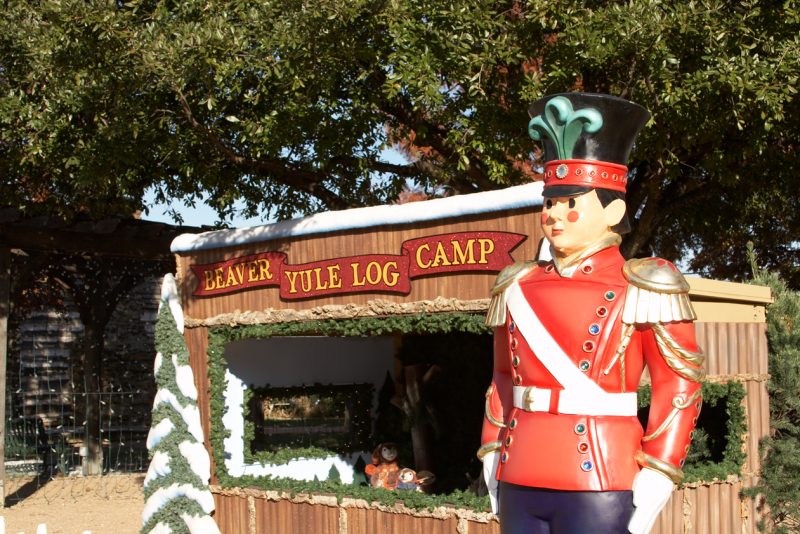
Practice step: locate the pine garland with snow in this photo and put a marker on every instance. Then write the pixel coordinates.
(177, 499)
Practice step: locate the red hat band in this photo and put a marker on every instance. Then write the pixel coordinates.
(585, 173)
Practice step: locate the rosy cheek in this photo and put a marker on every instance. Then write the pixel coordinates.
(544, 218)
(573, 216)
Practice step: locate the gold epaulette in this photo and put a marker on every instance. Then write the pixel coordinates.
(496, 316)
(657, 293)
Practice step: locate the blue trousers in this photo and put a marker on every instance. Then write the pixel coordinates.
(525, 510)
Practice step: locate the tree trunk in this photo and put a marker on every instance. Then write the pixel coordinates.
(5, 275)
(421, 431)
(92, 367)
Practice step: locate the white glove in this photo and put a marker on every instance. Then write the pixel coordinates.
(651, 491)
(490, 462)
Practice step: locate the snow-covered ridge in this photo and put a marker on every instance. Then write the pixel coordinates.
(521, 196)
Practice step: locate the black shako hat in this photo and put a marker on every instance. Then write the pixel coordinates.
(587, 139)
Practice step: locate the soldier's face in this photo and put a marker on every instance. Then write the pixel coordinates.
(571, 224)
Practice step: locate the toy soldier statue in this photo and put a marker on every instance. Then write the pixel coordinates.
(561, 439)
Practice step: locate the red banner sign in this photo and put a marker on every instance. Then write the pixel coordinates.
(383, 273)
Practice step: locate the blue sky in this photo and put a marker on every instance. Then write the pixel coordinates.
(200, 215)
(204, 215)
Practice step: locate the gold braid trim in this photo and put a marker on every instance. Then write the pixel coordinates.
(627, 332)
(684, 362)
(679, 402)
(496, 315)
(486, 448)
(695, 358)
(671, 472)
(488, 411)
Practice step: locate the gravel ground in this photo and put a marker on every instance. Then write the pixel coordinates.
(101, 505)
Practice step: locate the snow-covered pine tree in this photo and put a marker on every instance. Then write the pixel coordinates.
(177, 499)
(778, 488)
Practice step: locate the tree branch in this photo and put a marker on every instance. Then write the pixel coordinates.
(403, 112)
(295, 177)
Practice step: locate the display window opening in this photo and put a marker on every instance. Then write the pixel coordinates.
(334, 399)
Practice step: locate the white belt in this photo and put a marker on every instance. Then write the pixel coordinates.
(576, 402)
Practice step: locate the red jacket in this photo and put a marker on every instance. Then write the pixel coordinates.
(584, 315)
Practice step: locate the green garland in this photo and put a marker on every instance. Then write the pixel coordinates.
(699, 467)
(219, 337)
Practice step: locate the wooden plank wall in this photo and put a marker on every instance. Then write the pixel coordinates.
(383, 240)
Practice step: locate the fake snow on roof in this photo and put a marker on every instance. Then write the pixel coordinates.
(522, 196)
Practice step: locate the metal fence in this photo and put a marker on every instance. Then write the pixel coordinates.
(47, 440)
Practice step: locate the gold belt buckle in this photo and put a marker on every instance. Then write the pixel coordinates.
(527, 398)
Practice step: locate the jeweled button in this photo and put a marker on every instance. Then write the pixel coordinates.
(594, 329)
(584, 365)
(504, 457)
(588, 345)
(587, 269)
(549, 268)
(512, 327)
(515, 361)
(610, 295)
(587, 465)
(513, 424)
(580, 428)
(509, 439)
(514, 343)
(562, 171)
(601, 311)
(517, 380)
(583, 447)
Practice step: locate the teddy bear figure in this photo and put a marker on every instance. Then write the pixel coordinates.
(383, 470)
(407, 480)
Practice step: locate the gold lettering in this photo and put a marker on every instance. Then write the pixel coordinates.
(487, 247)
(218, 277)
(395, 275)
(356, 281)
(319, 286)
(462, 257)
(240, 272)
(231, 279)
(420, 264)
(441, 256)
(263, 270)
(333, 277)
(292, 277)
(305, 280)
(252, 271)
(209, 285)
(373, 268)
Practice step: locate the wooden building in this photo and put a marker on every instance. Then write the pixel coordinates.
(422, 260)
